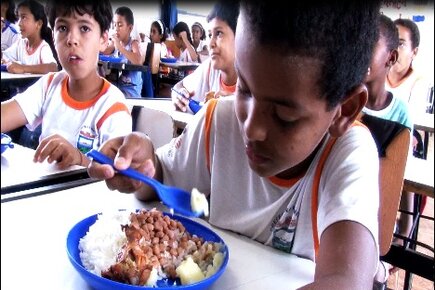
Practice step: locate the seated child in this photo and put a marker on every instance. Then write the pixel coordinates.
(77, 108)
(123, 45)
(199, 42)
(284, 162)
(216, 76)
(10, 31)
(183, 40)
(34, 52)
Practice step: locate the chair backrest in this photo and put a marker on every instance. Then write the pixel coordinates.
(154, 58)
(158, 125)
(392, 140)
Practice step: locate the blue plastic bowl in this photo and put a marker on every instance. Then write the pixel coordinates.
(111, 58)
(4, 68)
(168, 59)
(6, 142)
(195, 106)
(100, 283)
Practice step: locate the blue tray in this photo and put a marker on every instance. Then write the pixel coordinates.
(168, 59)
(112, 59)
(6, 143)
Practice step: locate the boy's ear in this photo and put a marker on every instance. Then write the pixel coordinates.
(394, 55)
(348, 111)
(104, 41)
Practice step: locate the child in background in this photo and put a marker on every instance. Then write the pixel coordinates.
(78, 109)
(35, 52)
(217, 75)
(199, 42)
(405, 82)
(183, 40)
(10, 32)
(284, 162)
(125, 46)
(158, 35)
(383, 104)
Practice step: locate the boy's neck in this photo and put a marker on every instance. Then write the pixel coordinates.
(85, 89)
(395, 77)
(378, 100)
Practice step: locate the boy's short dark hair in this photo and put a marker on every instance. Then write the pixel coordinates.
(101, 10)
(389, 31)
(413, 28)
(126, 12)
(340, 34)
(226, 10)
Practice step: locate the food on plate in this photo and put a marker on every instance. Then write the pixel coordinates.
(198, 202)
(143, 247)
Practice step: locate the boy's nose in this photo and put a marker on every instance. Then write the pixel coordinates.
(72, 39)
(254, 124)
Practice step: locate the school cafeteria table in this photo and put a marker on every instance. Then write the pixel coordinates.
(21, 81)
(419, 176)
(424, 122)
(181, 119)
(34, 232)
(21, 177)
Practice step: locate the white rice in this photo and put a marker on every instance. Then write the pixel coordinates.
(100, 246)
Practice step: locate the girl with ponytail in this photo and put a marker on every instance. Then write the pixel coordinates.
(34, 52)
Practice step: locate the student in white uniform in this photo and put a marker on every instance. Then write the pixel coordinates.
(216, 76)
(199, 41)
(284, 162)
(78, 109)
(10, 32)
(34, 52)
(183, 40)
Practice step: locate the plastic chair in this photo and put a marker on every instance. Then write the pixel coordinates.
(392, 140)
(158, 125)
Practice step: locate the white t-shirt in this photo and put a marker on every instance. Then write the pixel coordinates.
(185, 55)
(18, 53)
(10, 34)
(85, 125)
(205, 79)
(413, 90)
(271, 211)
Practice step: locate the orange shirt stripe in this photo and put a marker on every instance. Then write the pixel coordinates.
(82, 105)
(115, 108)
(208, 121)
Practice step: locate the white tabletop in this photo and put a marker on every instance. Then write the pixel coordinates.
(424, 122)
(33, 245)
(181, 119)
(419, 176)
(18, 168)
(10, 76)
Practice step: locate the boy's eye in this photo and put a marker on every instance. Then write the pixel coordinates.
(85, 29)
(61, 28)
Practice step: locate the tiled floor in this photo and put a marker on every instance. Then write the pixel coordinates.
(426, 235)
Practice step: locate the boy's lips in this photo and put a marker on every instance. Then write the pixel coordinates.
(254, 156)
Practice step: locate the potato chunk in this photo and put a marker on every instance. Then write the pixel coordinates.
(189, 272)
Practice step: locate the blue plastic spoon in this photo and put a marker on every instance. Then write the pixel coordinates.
(173, 197)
